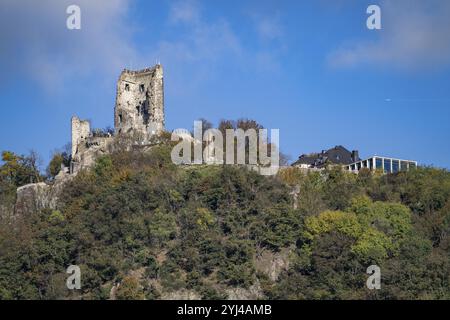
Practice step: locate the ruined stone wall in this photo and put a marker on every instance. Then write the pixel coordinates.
(139, 111)
(88, 151)
(139, 108)
(80, 131)
(85, 147)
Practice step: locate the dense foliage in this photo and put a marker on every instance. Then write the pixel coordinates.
(137, 220)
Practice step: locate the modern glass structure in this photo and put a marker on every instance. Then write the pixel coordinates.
(388, 165)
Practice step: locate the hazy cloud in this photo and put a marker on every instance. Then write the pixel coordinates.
(185, 11)
(415, 35)
(36, 43)
(268, 27)
(193, 42)
(199, 40)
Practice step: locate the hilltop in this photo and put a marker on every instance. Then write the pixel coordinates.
(141, 227)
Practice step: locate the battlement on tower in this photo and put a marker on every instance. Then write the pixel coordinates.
(142, 71)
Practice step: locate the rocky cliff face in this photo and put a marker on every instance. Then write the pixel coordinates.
(253, 293)
(272, 264)
(37, 196)
(181, 295)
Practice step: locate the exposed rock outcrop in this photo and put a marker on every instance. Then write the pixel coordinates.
(181, 295)
(253, 293)
(272, 264)
(37, 196)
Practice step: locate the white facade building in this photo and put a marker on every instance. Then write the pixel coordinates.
(388, 165)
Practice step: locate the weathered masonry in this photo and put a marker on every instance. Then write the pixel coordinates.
(140, 102)
(138, 115)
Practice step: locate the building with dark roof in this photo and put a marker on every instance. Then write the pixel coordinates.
(334, 156)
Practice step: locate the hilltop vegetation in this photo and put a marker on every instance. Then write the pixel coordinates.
(159, 230)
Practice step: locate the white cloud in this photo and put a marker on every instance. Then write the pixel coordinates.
(414, 35)
(36, 42)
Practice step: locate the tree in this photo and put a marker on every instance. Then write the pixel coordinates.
(55, 165)
(130, 289)
(339, 188)
(140, 221)
(162, 226)
(20, 170)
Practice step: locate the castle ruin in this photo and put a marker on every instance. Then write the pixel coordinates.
(138, 114)
(140, 102)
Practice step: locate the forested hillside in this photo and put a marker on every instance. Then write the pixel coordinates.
(140, 227)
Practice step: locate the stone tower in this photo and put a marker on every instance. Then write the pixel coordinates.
(139, 105)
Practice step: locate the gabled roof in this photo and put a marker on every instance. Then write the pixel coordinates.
(339, 155)
(336, 155)
(307, 159)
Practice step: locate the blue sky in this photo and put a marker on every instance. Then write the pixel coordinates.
(310, 68)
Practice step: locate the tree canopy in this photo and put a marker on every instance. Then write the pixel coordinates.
(140, 227)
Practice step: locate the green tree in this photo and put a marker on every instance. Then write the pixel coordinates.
(130, 289)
